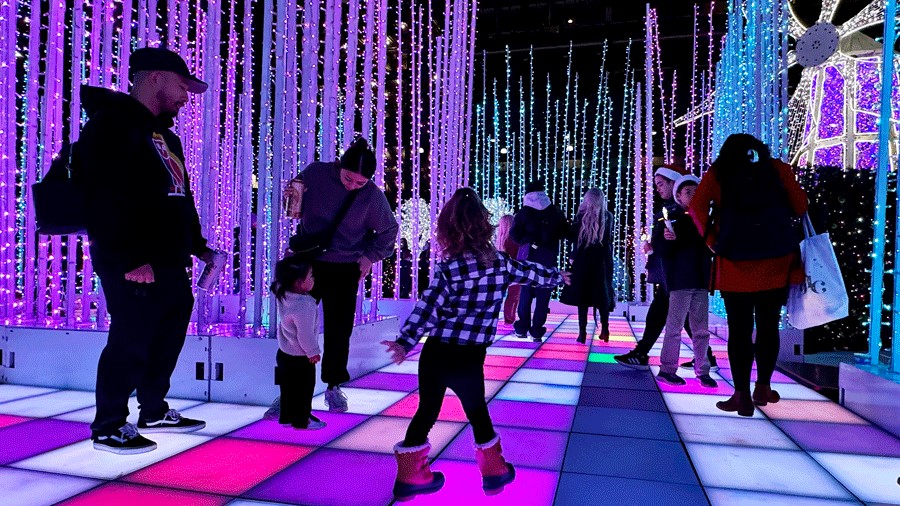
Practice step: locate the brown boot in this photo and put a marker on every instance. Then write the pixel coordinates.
(763, 394)
(740, 402)
(414, 476)
(496, 472)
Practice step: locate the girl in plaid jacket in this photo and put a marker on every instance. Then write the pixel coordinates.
(459, 312)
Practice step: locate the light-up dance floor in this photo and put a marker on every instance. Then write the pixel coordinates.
(580, 429)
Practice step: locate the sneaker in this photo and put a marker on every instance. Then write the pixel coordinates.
(171, 422)
(707, 381)
(672, 379)
(537, 340)
(521, 336)
(713, 365)
(633, 359)
(127, 442)
(275, 411)
(312, 424)
(336, 400)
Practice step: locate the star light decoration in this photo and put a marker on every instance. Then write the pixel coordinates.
(834, 111)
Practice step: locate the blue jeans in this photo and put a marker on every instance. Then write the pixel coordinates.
(535, 325)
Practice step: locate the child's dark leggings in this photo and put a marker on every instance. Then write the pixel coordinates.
(297, 379)
(460, 368)
(583, 318)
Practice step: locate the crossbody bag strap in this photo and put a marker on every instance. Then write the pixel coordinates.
(338, 218)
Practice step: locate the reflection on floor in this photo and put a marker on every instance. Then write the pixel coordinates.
(581, 430)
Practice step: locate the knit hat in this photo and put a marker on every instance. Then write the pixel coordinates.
(535, 186)
(670, 172)
(690, 178)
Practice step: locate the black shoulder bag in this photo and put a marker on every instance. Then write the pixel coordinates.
(59, 203)
(311, 246)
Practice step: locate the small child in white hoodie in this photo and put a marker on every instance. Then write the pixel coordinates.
(298, 343)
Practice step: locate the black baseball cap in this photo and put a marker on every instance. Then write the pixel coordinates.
(160, 59)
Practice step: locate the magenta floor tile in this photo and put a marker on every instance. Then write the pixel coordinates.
(777, 377)
(841, 438)
(693, 386)
(27, 439)
(387, 381)
(556, 364)
(541, 449)
(533, 415)
(532, 487)
(270, 430)
(331, 477)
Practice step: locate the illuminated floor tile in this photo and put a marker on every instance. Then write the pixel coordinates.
(797, 391)
(223, 418)
(734, 431)
(271, 430)
(570, 378)
(7, 420)
(602, 358)
(406, 367)
(122, 493)
(248, 502)
(514, 343)
(509, 352)
(693, 386)
(565, 347)
(81, 459)
(380, 433)
(50, 404)
(811, 411)
(842, 438)
(367, 480)
(86, 415)
(777, 377)
(575, 488)
(531, 392)
(223, 466)
(534, 487)
(620, 398)
(13, 392)
(531, 415)
(689, 404)
(521, 447)
(27, 439)
(562, 355)
(553, 363)
(643, 459)
(616, 376)
(504, 360)
(763, 470)
(872, 479)
(451, 409)
(624, 422)
(387, 381)
(729, 497)
(498, 373)
(364, 401)
(32, 488)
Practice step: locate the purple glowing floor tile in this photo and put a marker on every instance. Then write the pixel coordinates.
(331, 477)
(534, 487)
(270, 430)
(841, 438)
(522, 447)
(777, 377)
(387, 381)
(27, 439)
(7, 420)
(515, 344)
(559, 365)
(533, 415)
(693, 387)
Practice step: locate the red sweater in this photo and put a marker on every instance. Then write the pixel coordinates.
(749, 275)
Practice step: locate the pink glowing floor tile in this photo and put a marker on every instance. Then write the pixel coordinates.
(777, 377)
(556, 364)
(562, 355)
(504, 361)
(451, 410)
(122, 493)
(693, 387)
(534, 487)
(7, 420)
(224, 466)
(380, 433)
(531, 415)
(565, 347)
(498, 373)
(522, 447)
(387, 381)
(271, 430)
(811, 411)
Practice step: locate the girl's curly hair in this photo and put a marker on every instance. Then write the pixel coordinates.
(464, 227)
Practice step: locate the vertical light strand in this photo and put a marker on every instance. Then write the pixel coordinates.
(469, 91)
(8, 99)
(245, 167)
(380, 101)
(31, 143)
(264, 160)
(399, 156)
(640, 233)
(350, 87)
(330, 77)
(366, 126)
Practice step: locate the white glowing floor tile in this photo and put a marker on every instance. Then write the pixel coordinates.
(380, 433)
(363, 401)
(246, 502)
(86, 415)
(51, 404)
(727, 497)
(81, 459)
(734, 431)
(223, 418)
(688, 373)
(13, 392)
(510, 352)
(531, 392)
(547, 376)
(697, 404)
(871, 478)
(491, 387)
(31, 488)
(407, 367)
(796, 391)
(766, 470)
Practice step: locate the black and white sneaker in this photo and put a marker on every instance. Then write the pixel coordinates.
(275, 411)
(672, 379)
(713, 365)
(521, 336)
(171, 422)
(127, 441)
(707, 382)
(633, 359)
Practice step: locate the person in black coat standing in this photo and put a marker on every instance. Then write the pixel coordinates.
(538, 227)
(592, 263)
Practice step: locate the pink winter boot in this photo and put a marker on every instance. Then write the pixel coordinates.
(414, 477)
(496, 472)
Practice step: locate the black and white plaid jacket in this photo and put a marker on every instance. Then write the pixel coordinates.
(463, 301)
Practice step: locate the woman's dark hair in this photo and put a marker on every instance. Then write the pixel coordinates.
(287, 272)
(359, 158)
(741, 153)
(464, 227)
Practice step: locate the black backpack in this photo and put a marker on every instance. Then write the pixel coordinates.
(755, 217)
(59, 203)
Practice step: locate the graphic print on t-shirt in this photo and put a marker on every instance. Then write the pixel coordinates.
(173, 165)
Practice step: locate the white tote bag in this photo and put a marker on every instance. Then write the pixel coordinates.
(823, 297)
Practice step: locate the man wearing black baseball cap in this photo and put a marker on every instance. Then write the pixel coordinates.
(143, 228)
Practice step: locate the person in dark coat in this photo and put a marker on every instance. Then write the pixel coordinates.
(592, 263)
